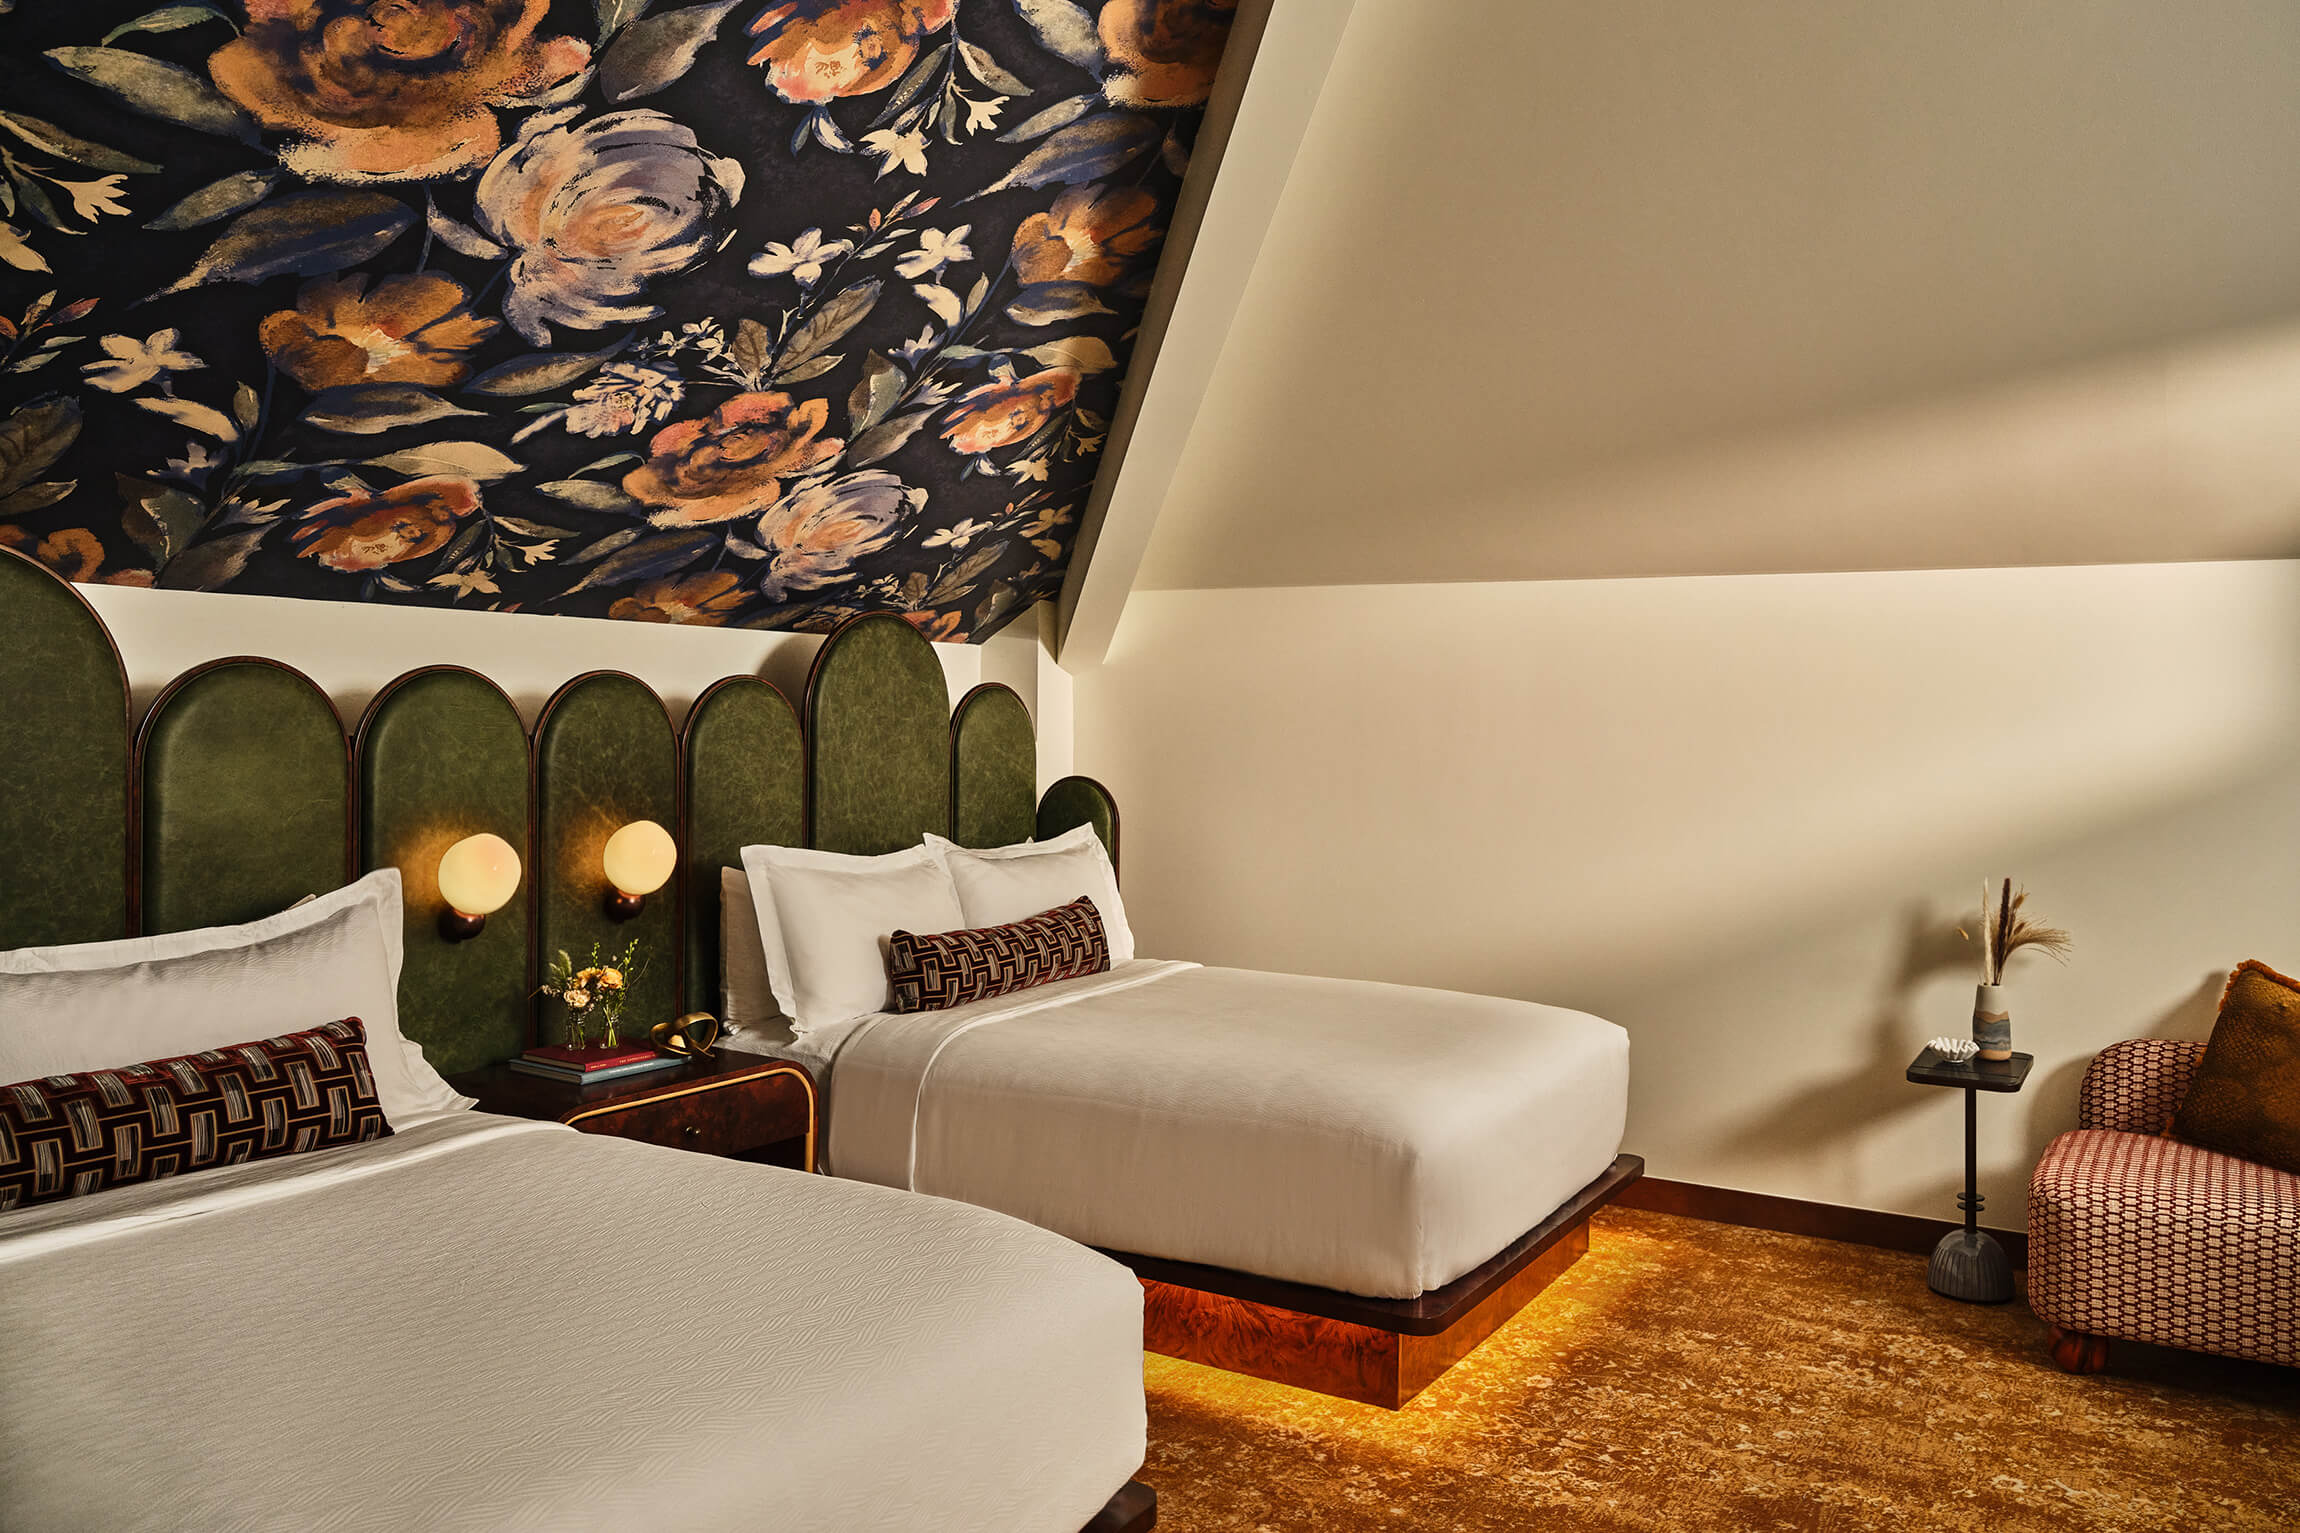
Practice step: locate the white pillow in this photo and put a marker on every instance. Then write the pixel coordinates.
(747, 1009)
(824, 919)
(1012, 883)
(99, 1005)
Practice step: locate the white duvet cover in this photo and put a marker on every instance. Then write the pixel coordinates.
(1379, 1139)
(488, 1323)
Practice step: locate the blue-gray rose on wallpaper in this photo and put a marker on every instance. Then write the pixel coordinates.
(751, 312)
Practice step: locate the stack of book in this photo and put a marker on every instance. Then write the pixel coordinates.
(583, 1067)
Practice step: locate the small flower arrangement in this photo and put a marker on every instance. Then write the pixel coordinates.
(600, 989)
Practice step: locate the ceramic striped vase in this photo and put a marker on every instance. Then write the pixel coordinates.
(1992, 1024)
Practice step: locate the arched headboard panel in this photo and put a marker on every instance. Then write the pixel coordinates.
(245, 784)
(1075, 801)
(64, 851)
(878, 739)
(993, 768)
(746, 786)
(604, 757)
(442, 755)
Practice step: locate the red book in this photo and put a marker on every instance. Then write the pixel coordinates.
(567, 1057)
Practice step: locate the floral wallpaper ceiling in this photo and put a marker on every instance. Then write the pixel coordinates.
(751, 312)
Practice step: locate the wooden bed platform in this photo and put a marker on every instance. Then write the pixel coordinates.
(1379, 1351)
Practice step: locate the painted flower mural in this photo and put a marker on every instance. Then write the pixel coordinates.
(730, 313)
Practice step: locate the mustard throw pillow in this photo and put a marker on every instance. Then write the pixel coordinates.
(2245, 1099)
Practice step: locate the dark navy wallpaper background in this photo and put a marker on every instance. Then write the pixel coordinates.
(751, 312)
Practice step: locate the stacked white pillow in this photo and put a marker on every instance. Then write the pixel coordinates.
(100, 1005)
(822, 919)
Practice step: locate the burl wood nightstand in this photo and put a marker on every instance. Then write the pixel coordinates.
(744, 1106)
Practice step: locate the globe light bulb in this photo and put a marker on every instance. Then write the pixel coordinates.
(477, 877)
(639, 859)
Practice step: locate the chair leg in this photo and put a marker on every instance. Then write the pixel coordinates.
(2077, 1351)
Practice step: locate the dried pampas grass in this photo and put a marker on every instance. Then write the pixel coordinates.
(2005, 930)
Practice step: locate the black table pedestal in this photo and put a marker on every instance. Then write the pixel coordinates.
(1969, 1264)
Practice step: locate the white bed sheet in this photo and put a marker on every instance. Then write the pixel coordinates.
(1379, 1139)
(489, 1323)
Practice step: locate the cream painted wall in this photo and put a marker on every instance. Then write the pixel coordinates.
(351, 650)
(1736, 815)
(1586, 288)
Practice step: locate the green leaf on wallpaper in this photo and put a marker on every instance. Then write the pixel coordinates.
(214, 563)
(528, 529)
(922, 74)
(540, 373)
(367, 408)
(881, 385)
(218, 199)
(591, 495)
(989, 71)
(155, 88)
(50, 139)
(649, 558)
(1051, 302)
(654, 52)
(1060, 115)
(613, 542)
(959, 576)
(1085, 352)
(813, 367)
(614, 15)
(35, 202)
(1067, 30)
(471, 460)
(1084, 151)
(168, 18)
(36, 497)
(886, 438)
(159, 517)
(749, 350)
(846, 309)
(35, 436)
(305, 235)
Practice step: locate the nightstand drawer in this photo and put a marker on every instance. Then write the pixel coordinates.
(718, 1118)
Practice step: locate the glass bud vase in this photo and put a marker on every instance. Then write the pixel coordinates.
(1992, 1024)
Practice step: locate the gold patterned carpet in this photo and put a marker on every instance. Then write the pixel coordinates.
(1687, 1375)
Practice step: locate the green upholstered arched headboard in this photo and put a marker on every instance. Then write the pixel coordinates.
(239, 795)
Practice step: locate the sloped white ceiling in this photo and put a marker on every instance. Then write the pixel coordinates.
(1568, 288)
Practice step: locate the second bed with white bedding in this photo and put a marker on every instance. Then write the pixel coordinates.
(491, 1324)
(1378, 1139)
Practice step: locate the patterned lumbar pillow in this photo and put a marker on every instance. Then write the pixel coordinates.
(952, 968)
(64, 1136)
(2245, 1097)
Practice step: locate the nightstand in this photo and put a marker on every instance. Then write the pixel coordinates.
(744, 1106)
(1968, 1264)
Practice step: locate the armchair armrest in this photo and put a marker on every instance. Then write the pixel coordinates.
(2133, 1087)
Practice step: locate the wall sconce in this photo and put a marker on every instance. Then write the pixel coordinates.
(640, 859)
(477, 877)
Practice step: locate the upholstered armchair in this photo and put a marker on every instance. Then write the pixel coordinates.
(2137, 1237)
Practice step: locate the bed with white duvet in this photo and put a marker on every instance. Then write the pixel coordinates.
(1382, 1140)
(489, 1323)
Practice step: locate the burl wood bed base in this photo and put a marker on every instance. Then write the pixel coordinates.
(1378, 1351)
(1133, 1510)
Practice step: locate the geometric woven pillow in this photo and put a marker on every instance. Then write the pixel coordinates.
(942, 969)
(65, 1136)
(2245, 1097)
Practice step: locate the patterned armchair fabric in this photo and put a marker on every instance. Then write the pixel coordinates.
(2144, 1238)
(2133, 1087)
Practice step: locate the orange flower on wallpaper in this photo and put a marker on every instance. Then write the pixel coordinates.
(822, 50)
(939, 627)
(410, 329)
(391, 90)
(705, 599)
(73, 553)
(1083, 237)
(733, 462)
(814, 535)
(407, 521)
(997, 414)
(1163, 52)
